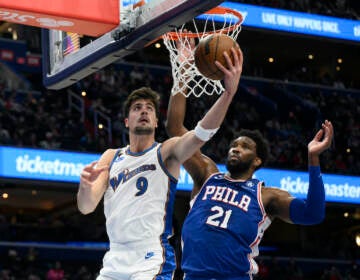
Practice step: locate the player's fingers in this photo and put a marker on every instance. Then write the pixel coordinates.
(228, 60)
(240, 55)
(100, 169)
(90, 166)
(328, 130)
(192, 43)
(221, 67)
(191, 40)
(178, 43)
(319, 135)
(85, 174)
(236, 55)
(329, 125)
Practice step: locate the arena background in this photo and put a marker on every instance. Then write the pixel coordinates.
(291, 82)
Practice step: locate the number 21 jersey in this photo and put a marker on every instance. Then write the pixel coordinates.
(223, 229)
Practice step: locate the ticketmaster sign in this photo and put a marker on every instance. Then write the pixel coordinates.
(34, 164)
(37, 164)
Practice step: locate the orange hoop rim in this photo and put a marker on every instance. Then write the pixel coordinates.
(217, 10)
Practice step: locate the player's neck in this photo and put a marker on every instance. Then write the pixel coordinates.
(140, 143)
(241, 176)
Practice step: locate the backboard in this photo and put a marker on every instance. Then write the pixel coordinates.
(65, 61)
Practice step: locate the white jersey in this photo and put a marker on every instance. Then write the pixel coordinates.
(138, 202)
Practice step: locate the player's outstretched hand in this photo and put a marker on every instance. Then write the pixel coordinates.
(185, 48)
(322, 140)
(90, 173)
(232, 72)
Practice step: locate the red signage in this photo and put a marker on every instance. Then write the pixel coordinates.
(88, 17)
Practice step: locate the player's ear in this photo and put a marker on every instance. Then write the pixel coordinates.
(126, 122)
(257, 162)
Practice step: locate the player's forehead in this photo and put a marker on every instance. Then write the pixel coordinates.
(241, 140)
(142, 102)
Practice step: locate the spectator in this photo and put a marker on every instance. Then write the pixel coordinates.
(56, 272)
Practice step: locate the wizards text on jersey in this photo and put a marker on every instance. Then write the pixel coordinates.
(126, 175)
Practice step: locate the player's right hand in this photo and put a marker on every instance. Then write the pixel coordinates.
(185, 48)
(233, 71)
(90, 173)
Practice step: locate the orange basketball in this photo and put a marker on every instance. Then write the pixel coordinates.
(212, 48)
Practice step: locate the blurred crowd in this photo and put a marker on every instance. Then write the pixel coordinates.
(337, 8)
(33, 263)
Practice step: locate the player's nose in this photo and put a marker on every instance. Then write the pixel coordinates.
(144, 111)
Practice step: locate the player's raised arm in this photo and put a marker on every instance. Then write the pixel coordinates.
(176, 115)
(311, 210)
(184, 147)
(199, 166)
(93, 183)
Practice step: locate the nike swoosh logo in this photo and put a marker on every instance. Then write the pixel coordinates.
(149, 255)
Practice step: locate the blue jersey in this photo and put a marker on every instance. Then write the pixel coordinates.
(223, 229)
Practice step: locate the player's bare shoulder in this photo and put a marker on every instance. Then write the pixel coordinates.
(107, 156)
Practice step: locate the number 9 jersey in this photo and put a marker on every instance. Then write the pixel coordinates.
(223, 229)
(138, 202)
(138, 206)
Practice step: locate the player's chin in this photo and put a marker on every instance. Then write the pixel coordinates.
(144, 130)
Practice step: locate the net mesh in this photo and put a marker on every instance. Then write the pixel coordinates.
(186, 77)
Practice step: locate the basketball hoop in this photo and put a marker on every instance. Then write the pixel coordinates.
(186, 78)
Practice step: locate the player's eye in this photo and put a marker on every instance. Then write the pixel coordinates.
(245, 146)
(136, 107)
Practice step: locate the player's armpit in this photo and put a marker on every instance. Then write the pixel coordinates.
(200, 167)
(277, 203)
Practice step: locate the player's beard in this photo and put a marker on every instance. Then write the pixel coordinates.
(140, 130)
(238, 167)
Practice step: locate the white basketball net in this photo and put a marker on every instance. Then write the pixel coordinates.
(186, 77)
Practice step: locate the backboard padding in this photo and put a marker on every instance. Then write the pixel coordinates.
(156, 19)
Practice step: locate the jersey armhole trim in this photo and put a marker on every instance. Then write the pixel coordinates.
(260, 185)
(163, 167)
(118, 151)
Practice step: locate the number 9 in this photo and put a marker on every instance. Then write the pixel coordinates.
(141, 185)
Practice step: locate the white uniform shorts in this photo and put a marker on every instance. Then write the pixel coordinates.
(140, 261)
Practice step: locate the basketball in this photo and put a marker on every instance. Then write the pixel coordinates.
(212, 48)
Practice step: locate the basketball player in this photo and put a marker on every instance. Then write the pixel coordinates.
(231, 211)
(138, 183)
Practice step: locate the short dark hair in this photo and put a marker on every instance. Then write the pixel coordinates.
(262, 145)
(142, 93)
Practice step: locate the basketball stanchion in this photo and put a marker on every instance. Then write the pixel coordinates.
(66, 63)
(187, 79)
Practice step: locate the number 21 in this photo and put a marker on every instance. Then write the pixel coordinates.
(218, 217)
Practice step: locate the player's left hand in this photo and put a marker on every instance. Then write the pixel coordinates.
(322, 140)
